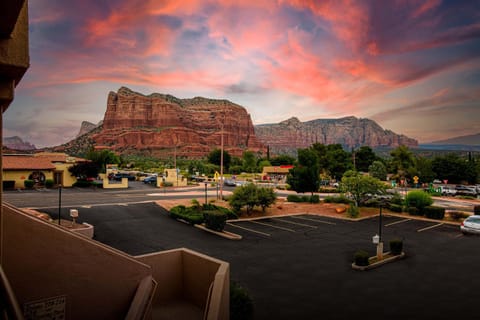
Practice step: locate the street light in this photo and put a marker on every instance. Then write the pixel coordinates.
(222, 123)
(377, 239)
(59, 202)
(206, 192)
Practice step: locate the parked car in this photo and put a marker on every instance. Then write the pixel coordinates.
(119, 176)
(471, 225)
(447, 191)
(466, 191)
(150, 180)
(229, 182)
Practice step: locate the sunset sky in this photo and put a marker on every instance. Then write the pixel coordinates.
(412, 66)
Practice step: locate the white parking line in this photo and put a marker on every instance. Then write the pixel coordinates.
(401, 221)
(296, 223)
(272, 226)
(314, 220)
(431, 227)
(247, 229)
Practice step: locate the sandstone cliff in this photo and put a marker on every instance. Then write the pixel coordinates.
(16, 143)
(87, 127)
(289, 135)
(160, 125)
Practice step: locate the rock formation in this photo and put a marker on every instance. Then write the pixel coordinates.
(289, 135)
(16, 143)
(87, 127)
(160, 125)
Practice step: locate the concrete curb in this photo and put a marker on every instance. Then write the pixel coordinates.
(224, 234)
(378, 263)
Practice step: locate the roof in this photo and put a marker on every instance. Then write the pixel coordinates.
(277, 169)
(26, 162)
(59, 157)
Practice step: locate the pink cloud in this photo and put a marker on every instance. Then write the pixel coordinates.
(425, 6)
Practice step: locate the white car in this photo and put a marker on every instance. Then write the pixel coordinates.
(447, 191)
(471, 225)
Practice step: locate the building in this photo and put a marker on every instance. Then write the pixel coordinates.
(277, 174)
(49, 272)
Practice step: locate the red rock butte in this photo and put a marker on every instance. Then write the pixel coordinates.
(161, 125)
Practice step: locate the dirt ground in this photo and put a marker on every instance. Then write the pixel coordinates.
(282, 207)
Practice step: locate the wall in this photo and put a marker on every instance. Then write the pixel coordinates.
(115, 184)
(42, 261)
(21, 175)
(172, 177)
(67, 179)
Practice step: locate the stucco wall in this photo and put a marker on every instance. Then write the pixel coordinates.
(43, 261)
(68, 179)
(21, 175)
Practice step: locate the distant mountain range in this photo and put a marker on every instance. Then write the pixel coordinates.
(469, 140)
(16, 143)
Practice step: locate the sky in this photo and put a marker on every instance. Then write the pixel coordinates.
(412, 66)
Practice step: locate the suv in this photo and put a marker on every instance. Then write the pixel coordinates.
(466, 191)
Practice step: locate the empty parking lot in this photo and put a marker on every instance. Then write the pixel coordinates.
(299, 267)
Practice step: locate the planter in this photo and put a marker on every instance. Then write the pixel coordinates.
(373, 262)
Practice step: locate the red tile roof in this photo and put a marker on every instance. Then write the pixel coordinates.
(26, 162)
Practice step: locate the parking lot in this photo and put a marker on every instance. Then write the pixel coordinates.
(299, 267)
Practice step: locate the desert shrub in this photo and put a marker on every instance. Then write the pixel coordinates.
(191, 215)
(337, 199)
(476, 210)
(49, 183)
(396, 246)
(230, 214)
(215, 220)
(353, 211)
(28, 183)
(396, 208)
(82, 184)
(418, 199)
(315, 198)
(294, 198)
(457, 215)
(241, 304)
(434, 212)
(397, 199)
(361, 258)
(328, 190)
(413, 211)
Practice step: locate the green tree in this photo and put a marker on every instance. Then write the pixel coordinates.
(266, 197)
(215, 155)
(455, 169)
(102, 158)
(424, 169)
(364, 157)
(282, 160)
(262, 164)
(358, 186)
(249, 161)
(333, 161)
(378, 170)
(305, 176)
(244, 196)
(84, 170)
(402, 160)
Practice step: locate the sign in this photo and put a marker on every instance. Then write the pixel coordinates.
(217, 175)
(394, 183)
(445, 181)
(415, 179)
(50, 308)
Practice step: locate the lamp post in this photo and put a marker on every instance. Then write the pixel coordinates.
(222, 123)
(377, 239)
(206, 192)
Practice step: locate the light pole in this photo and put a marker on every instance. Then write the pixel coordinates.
(59, 202)
(377, 239)
(222, 123)
(206, 192)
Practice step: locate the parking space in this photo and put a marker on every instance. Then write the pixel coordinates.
(410, 224)
(276, 227)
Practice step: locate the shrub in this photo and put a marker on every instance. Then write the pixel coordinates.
(476, 210)
(337, 199)
(28, 183)
(353, 211)
(375, 203)
(397, 199)
(230, 214)
(241, 304)
(396, 246)
(361, 258)
(396, 208)
(413, 211)
(433, 212)
(215, 220)
(167, 184)
(49, 183)
(294, 198)
(457, 215)
(418, 199)
(82, 184)
(191, 215)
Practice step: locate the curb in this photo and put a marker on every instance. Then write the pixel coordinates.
(378, 263)
(224, 234)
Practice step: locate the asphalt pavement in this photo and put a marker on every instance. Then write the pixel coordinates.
(300, 267)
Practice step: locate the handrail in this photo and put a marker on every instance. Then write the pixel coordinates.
(142, 301)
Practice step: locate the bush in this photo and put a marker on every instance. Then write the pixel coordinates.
(191, 215)
(167, 184)
(457, 215)
(82, 184)
(337, 199)
(476, 210)
(396, 208)
(361, 258)
(374, 203)
(215, 220)
(397, 199)
(413, 211)
(49, 183)
(28, 183)
(315, 198)
(241, 305)
(294, 198)
(353, 211)
(433, 212)
(396, 246)
(418, 199)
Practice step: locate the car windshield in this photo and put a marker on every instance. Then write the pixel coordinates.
(474, 219)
